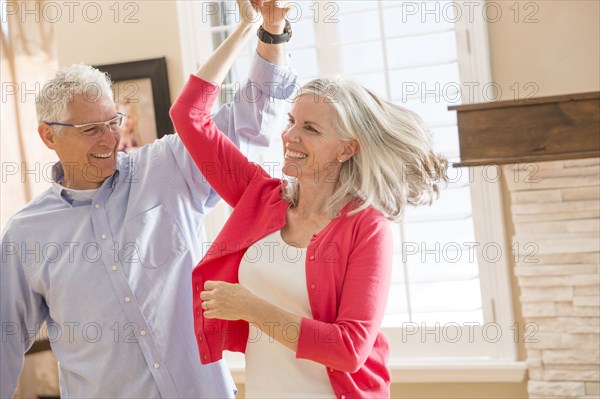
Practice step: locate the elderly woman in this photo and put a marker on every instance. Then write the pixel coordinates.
(298, 278)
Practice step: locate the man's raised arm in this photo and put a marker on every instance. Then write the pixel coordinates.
(258, 110)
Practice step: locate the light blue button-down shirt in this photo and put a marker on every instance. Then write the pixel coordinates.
(111, 276)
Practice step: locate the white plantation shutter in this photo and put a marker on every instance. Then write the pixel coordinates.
(414, 59)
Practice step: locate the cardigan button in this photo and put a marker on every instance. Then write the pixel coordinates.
(331, 370)
(312, 286)
(312, 257)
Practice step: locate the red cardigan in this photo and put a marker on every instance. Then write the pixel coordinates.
(348, 264)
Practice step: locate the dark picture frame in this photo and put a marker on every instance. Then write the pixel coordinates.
(129, 75)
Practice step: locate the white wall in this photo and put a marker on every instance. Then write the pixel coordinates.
(106, 32)
(560, 53)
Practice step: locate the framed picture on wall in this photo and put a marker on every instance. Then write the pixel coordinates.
(141, 91)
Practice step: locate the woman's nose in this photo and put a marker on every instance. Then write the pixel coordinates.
(290, 134)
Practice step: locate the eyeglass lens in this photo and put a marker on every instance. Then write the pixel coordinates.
(98, 128)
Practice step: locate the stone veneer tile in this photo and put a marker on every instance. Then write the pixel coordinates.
(560, 389)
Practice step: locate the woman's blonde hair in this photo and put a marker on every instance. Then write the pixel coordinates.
(395, 164)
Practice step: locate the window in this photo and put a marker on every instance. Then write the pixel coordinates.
(450, 296)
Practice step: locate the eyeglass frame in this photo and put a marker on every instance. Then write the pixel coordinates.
(104, 124)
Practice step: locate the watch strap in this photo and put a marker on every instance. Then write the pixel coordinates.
(270, 38)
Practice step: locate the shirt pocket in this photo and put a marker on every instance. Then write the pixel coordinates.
(152, 239)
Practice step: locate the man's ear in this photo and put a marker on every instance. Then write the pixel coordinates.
(47, 135)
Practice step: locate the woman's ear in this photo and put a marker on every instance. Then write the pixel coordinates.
(47, 135)
(349, 149)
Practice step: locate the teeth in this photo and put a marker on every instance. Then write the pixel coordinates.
(103, 156)
(296, 155)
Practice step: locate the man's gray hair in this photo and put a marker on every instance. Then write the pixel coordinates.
(77, 79)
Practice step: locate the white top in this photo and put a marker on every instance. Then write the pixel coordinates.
(275, 271)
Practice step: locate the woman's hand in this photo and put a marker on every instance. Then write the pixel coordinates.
(274, 13)
(249, 10)
(216, 67)
(227, 301)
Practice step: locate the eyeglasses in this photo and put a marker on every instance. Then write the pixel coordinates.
(96, 128)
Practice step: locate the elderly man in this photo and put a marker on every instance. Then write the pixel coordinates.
(105, 255)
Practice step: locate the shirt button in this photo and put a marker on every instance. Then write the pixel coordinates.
(97, 206)
(197, 288)
(103, 236)
(204, 357)
(114, 267)
(200, 338)
(312, 257)
(312, 286)
(127, 299)
(156, 365)
(143, 333)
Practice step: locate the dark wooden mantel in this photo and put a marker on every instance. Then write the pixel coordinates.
(532, 130)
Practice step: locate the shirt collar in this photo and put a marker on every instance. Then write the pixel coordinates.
(58, 175)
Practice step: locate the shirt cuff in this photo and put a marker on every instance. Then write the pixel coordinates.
(308, 339)
(273, 80)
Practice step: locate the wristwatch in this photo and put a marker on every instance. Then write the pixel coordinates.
(270, 38)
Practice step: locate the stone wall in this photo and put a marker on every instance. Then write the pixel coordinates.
(555, 210)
